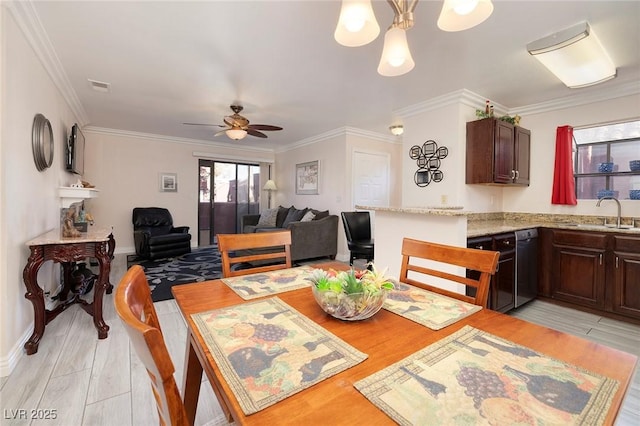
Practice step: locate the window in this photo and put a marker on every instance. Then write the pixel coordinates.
(618, 144)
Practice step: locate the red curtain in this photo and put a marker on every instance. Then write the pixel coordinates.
(564, 190)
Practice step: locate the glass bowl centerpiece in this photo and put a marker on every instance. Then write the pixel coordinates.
(350, 295)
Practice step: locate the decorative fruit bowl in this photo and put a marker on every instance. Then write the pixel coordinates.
(634, 165)
(349, 307)
(605, 167)
(350, 295)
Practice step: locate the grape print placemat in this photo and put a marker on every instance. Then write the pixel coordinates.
(268, 351)
(267, 283)
(473, 377)
(430, 309)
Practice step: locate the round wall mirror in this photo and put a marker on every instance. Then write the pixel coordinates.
(42, 142)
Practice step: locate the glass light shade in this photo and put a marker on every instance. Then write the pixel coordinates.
(236, 134)
(396, 58)
(396, 130)
(270, 186)
(575, 56)
(459, 15)
(357, 24)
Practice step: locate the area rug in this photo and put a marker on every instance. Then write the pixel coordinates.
(202, 264)
(473, 377)
(430, 309)
(267, 283)
(268, 351)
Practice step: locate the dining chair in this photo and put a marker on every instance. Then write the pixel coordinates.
(357, 228)
(244, 254)
(483, 262)
(135, 308)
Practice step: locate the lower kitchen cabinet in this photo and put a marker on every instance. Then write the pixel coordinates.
(626, 288)
(502, 288)
(598, 270)
(579, 268)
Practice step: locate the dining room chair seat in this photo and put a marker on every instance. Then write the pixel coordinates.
(357, 229)
(135, 308)
(244, 254)
(446, 264)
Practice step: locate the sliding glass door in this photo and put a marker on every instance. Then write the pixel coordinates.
(227, 192)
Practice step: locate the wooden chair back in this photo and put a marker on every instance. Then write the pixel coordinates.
(257, 252)
(484, 262)
(135, 308)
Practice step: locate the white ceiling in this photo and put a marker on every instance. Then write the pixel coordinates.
(171, 62)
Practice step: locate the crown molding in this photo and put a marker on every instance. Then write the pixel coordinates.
(339, 132)
(173, 139)
(603, 94)
(29, 23)
(459, 97)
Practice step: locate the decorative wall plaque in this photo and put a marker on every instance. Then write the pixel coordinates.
(428, 158)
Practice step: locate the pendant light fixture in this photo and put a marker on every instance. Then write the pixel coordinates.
(357, 26)
(459, 15)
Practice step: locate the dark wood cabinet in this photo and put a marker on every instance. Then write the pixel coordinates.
(579, 268)
(626, 286)
(502, 287)
(497, 153)
(597, 270)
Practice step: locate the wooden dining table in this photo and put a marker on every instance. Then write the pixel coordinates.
(387, 338)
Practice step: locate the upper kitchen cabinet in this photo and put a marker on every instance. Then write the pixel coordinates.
(497, 153)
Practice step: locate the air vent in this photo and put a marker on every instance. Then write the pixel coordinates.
(100, 86)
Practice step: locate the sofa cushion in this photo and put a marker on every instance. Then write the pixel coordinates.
(282, 215)
(308, 216)
(320, 214)
(294, 215)
(268, 218)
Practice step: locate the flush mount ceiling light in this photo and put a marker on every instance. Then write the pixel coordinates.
(357, 26)
(397, 130)
(575, 56)
(236, 134)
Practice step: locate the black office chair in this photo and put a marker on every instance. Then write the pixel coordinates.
(357, 227)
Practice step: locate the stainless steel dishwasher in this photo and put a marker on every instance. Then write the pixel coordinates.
(526, 278)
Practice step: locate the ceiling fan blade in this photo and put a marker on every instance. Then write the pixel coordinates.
(256, 133)
(202, 124)
(264, 127)
(220, 133)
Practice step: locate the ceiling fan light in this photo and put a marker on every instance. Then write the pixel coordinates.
(357, 24)
(575, 56)
(236, 134)
(459, 15)
(396, 57)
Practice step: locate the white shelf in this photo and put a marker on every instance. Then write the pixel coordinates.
(70, 195)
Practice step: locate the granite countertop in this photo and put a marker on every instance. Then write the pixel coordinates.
(479, 228)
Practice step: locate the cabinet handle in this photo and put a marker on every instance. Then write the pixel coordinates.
(517, 174)
(513, 174)
(617, 258)
(600, 259)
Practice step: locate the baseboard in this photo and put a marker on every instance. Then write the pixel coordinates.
(9, 362)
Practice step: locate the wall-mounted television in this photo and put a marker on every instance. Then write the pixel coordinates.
(75, 151)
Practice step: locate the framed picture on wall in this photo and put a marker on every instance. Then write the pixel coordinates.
(168, 182)
(307, 178)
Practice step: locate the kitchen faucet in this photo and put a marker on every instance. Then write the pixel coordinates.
(619, 208)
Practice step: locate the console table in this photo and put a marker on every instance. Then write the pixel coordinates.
(96, 243)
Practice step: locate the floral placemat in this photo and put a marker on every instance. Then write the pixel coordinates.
(430, 309)
(473, 377)
(272, 282)
(268, 351)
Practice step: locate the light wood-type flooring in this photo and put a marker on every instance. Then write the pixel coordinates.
(101, 382)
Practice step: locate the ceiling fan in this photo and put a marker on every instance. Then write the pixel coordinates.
(237, 126)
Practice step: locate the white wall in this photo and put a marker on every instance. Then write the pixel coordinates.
(30, 203)
(125, 167)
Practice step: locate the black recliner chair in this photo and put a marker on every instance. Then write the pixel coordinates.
(154, 235)
(357, 227)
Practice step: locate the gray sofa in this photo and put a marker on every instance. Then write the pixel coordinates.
(309, 240)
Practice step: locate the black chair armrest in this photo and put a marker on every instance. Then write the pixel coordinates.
(180, 230)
